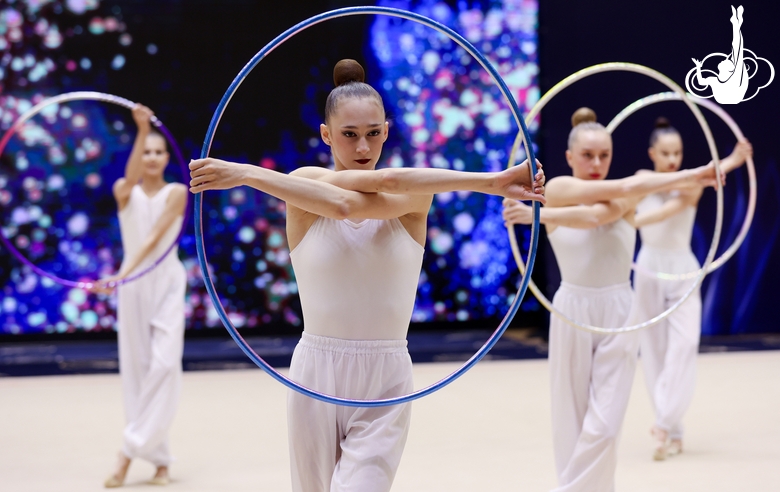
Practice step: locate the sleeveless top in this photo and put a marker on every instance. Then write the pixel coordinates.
(674, 233)
(357, 281)
(597, 257)
(138, 218)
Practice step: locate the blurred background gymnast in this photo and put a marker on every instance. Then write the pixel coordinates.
(668, 349)
(150, 311)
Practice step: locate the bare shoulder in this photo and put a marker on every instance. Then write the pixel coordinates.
(643, 171)
(311, 172)
(560, 182)
(177, 198)
(119, 184)
(178, 190)
(557, 189)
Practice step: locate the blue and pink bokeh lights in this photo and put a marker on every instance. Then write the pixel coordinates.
(444, 111)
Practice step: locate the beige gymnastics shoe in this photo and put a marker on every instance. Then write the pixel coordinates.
(160, 477)
(113, 482)
(164, 480)
(675, 447)
(661, 450)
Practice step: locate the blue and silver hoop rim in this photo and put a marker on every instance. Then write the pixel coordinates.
(493, 339)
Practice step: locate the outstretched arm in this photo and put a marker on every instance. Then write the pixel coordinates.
(134, 167)
(670, 208)
(514, 182)
(304, 189)
(577, 216)
(738, 156)
(174, 208)
(567, 190)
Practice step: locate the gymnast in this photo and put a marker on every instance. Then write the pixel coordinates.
(589, 222)
(356, 239)
(150, 310)
(668, 349)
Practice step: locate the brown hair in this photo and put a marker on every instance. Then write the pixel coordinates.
(583, 119)
(349, 79)
(661, 127)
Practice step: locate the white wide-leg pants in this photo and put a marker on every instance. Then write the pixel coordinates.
(151, 341)
(669, 349)
(338, 448)
(591, 377)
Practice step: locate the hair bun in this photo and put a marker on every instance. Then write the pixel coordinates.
(347, 71)
(583, 115)
(662, 122)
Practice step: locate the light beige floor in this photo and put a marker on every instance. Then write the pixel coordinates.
(489, 431)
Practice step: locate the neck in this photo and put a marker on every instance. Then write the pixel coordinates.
(152, 181)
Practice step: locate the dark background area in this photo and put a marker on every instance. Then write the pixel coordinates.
(665, 35)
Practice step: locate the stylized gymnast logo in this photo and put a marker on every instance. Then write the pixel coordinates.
(730, 83)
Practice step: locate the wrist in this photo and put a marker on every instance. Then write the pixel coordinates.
(491, 183)
(245, 173)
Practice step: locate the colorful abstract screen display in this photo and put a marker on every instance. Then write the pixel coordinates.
(56, 173)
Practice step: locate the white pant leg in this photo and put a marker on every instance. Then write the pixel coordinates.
(312, 429)
(676, 383)
(151, 346)
(342, 449)
(669, 349)
(649, 302)
(586, 449)
(570, 359)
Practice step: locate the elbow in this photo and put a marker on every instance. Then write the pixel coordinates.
(342, 208)
(388, 181)
(592, 222)
(597, 221)
(630, 188)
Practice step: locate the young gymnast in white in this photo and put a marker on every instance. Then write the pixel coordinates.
(589, 222)
(356, 237)
(150, 310)
(668, 349)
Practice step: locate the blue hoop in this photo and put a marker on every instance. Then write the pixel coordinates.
(199, 223)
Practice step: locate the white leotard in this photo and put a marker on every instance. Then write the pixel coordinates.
(138, 218)
(357, 281)
(674, 233)
(595, 257)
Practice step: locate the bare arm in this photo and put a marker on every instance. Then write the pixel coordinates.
(577, 216)
(668, 209)
(568, 190)
(514, 182)
(308, 195)
(134, 166)
(306, 189)
(738, 156)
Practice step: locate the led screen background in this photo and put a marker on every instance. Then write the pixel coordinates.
(178, 58)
